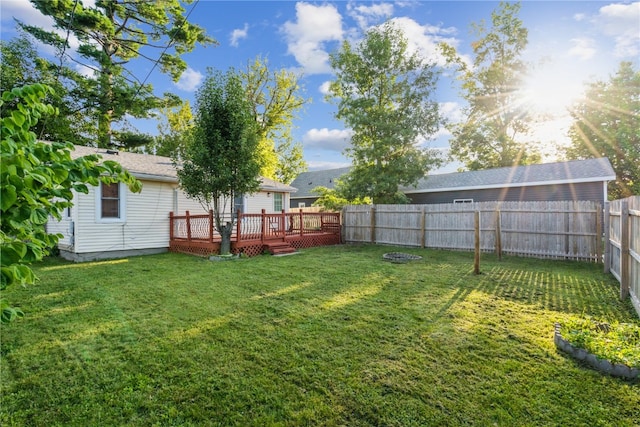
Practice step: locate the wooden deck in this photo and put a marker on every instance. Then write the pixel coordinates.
(255, 234)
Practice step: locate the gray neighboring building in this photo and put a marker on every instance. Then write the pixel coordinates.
(307, 181)
(572, 180)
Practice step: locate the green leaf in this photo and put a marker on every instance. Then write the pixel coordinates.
(9, 197)
(39, 216)
(12, 253)
(18, 118)
(9, 314)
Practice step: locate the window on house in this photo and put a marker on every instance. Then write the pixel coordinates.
(110, 200)
(302, 205)
(463, 201)
(238, 204)
(277, 202)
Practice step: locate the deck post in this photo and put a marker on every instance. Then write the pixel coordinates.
(264, 226)
(210, 226)
(171, 226)
(282, 232)
(301, 224)
(188, 220)
(239, 227)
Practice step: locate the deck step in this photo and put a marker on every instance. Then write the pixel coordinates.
(280, 248)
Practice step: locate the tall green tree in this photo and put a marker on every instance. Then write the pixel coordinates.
(37, 181)
(606, 123)
(222, 161)
(20, 65)
(383, 93)
(111, 34)
(495, 130)
(276, 101)
(174, 131)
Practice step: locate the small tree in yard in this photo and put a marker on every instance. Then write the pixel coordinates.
(36, 183)
(222, 161)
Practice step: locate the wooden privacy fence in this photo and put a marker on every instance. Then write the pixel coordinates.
(558, 230)
(622, 246)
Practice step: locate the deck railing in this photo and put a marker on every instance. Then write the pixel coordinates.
(250, 227)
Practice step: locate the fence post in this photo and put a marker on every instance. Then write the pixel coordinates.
(188, 226)
(607, 237)
(567, 218)
(624, 250)
(423, 226)
(476, 232)
(598, 232)
(210, 226)
(498, 235)
(373, 224)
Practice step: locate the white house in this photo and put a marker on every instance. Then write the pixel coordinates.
(112, 222)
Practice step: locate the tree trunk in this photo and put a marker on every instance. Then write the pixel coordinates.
(225, 234)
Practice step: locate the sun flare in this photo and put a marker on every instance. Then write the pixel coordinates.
(549, 91)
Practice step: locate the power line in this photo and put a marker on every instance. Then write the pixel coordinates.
(156, 62)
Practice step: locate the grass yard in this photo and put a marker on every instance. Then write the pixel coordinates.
(332, 336)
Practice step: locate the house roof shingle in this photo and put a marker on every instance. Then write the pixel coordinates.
(590, 170)
(157, 168)
(307, 181)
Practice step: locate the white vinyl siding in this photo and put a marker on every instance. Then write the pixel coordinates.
(146, 224)
(264, 200)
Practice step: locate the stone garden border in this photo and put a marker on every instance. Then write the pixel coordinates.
(602, 365)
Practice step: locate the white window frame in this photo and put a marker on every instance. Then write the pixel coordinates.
(302, 204)
(275, 196)
(122, 206)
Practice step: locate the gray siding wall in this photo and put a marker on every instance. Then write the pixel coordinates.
(592, 191)
(308, 201)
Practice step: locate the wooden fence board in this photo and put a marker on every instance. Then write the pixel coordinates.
(543, 229)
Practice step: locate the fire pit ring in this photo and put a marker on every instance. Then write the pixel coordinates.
(400, 257)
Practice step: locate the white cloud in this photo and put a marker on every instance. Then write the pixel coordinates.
(620, 21)
(424, 39)
(324, 165)
(85, 71)
(189, 80)
(583, 48)
(306, 38)
(24, 11)
(327, 139)
(452, 111)
(238, 34)
(368, 15)
(324, 88)
(579, 17)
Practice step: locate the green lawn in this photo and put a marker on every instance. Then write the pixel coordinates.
(331, 336)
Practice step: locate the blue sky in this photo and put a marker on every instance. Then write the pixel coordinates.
(579, 40)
